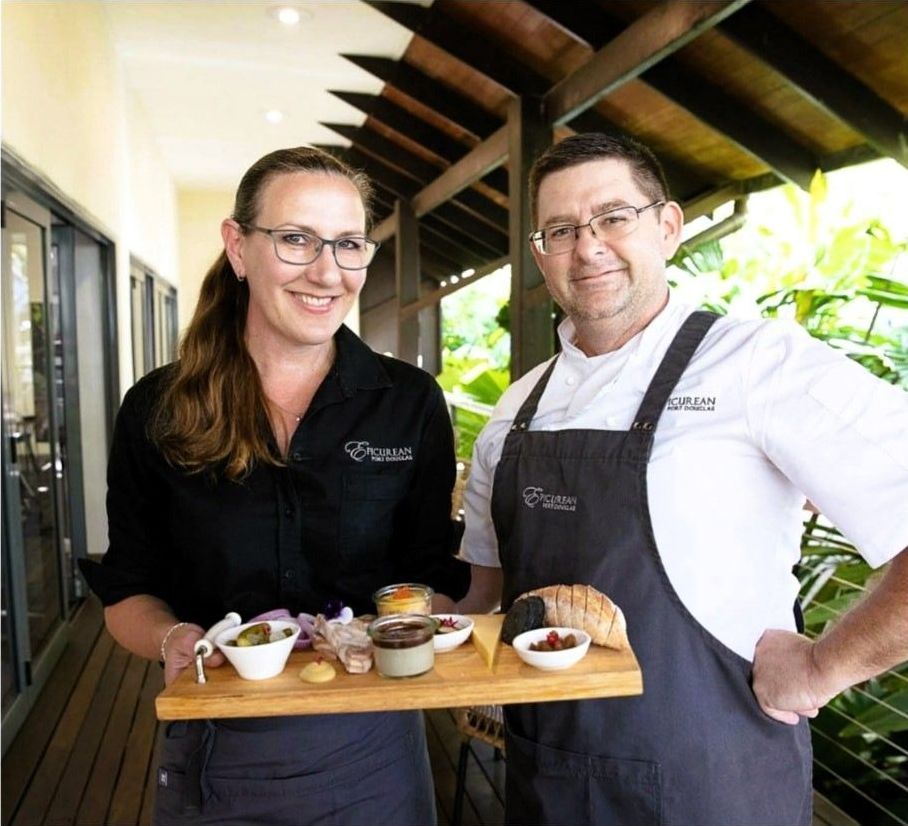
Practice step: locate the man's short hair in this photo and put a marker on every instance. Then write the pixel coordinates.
(597, 146)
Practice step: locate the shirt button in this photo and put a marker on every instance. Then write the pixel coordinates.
(296, 456)
(289, 573)
(288, 512)
(570, 381)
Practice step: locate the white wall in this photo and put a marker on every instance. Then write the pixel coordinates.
(68, 114)
(200, 216)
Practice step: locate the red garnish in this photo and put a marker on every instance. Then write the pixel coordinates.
(404, 592)
(552, 637)
(448, 622)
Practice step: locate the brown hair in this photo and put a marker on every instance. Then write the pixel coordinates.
(212, 414)
(597, 146)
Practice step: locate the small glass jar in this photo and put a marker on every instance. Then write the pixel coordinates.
(403, 644)
(403, 598)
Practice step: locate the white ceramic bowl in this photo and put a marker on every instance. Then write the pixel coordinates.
(449, 640)
(258, 662)
(551, 660)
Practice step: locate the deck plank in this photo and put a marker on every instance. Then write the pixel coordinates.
(37, 799)
(72, 785)
(127, 802)
(28, 748)
(106, 769)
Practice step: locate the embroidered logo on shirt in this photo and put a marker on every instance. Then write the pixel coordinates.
(692, 404)
(533, 496)
(163, 778)
(364, 452)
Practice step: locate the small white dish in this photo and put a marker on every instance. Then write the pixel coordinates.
(450, 639)
(551, 660)
(259, 662)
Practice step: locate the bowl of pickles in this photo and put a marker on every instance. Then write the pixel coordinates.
(258, 650)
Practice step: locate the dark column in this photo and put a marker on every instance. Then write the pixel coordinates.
(406, 247)
(531, 320)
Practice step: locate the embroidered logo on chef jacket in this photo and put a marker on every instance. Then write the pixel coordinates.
(364, 452)
(533, 496)
(692, 404)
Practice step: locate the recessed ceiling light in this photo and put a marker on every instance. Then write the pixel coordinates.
(468, 273)
(288, 15)
(274, 116)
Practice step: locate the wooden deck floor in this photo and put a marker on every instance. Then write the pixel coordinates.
(86, 754)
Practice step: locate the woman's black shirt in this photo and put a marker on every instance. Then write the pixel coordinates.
(363, 501)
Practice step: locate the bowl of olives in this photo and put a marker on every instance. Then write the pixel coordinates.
(259, 650)
(552, 649)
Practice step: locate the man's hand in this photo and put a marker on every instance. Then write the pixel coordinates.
(180, 652)
(786, 680)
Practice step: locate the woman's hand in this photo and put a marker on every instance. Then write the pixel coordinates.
(179, 652)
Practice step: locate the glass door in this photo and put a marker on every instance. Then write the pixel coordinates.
(34, 599)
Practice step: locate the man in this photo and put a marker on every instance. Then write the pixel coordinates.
(679, 448)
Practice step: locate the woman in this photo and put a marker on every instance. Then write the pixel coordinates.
(280, 463)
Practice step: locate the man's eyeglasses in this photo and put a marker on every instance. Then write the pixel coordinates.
(293, 246)
(606, 226)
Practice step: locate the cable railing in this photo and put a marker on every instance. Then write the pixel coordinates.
(860, 738)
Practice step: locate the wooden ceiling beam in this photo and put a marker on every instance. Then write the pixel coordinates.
(750, 132)
(719, 110)
(387, 151)
(466, 45)
(455, 244)
(649, 39)
(818, 77)
(474, 166)
(400, 120)
(404, 162)
(449, 213)
(415, 128)
(442, 99)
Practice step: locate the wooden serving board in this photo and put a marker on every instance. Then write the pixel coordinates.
(460, 678)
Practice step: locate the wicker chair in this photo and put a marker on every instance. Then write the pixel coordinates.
(485, 723)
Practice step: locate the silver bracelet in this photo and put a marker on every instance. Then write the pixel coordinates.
(167, 637)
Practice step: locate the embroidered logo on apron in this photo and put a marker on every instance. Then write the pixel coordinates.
(692, 404)
(533, 496)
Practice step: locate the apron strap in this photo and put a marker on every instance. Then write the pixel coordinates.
(673, 364)
(528, 408)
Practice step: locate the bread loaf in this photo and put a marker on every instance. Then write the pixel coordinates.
(583, 607)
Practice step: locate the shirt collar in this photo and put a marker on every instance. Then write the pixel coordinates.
(357, 366)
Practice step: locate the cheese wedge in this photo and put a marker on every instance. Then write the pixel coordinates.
(486, 633)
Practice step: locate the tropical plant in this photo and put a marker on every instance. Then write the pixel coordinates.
(476, 352)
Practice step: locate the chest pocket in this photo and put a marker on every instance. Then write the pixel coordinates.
(368, 508)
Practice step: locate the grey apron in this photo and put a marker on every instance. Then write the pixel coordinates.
(369, 769)
(695, 748)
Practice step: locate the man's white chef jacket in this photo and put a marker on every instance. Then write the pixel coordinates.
(763, 417)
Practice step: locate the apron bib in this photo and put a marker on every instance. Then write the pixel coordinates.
(571, 506)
